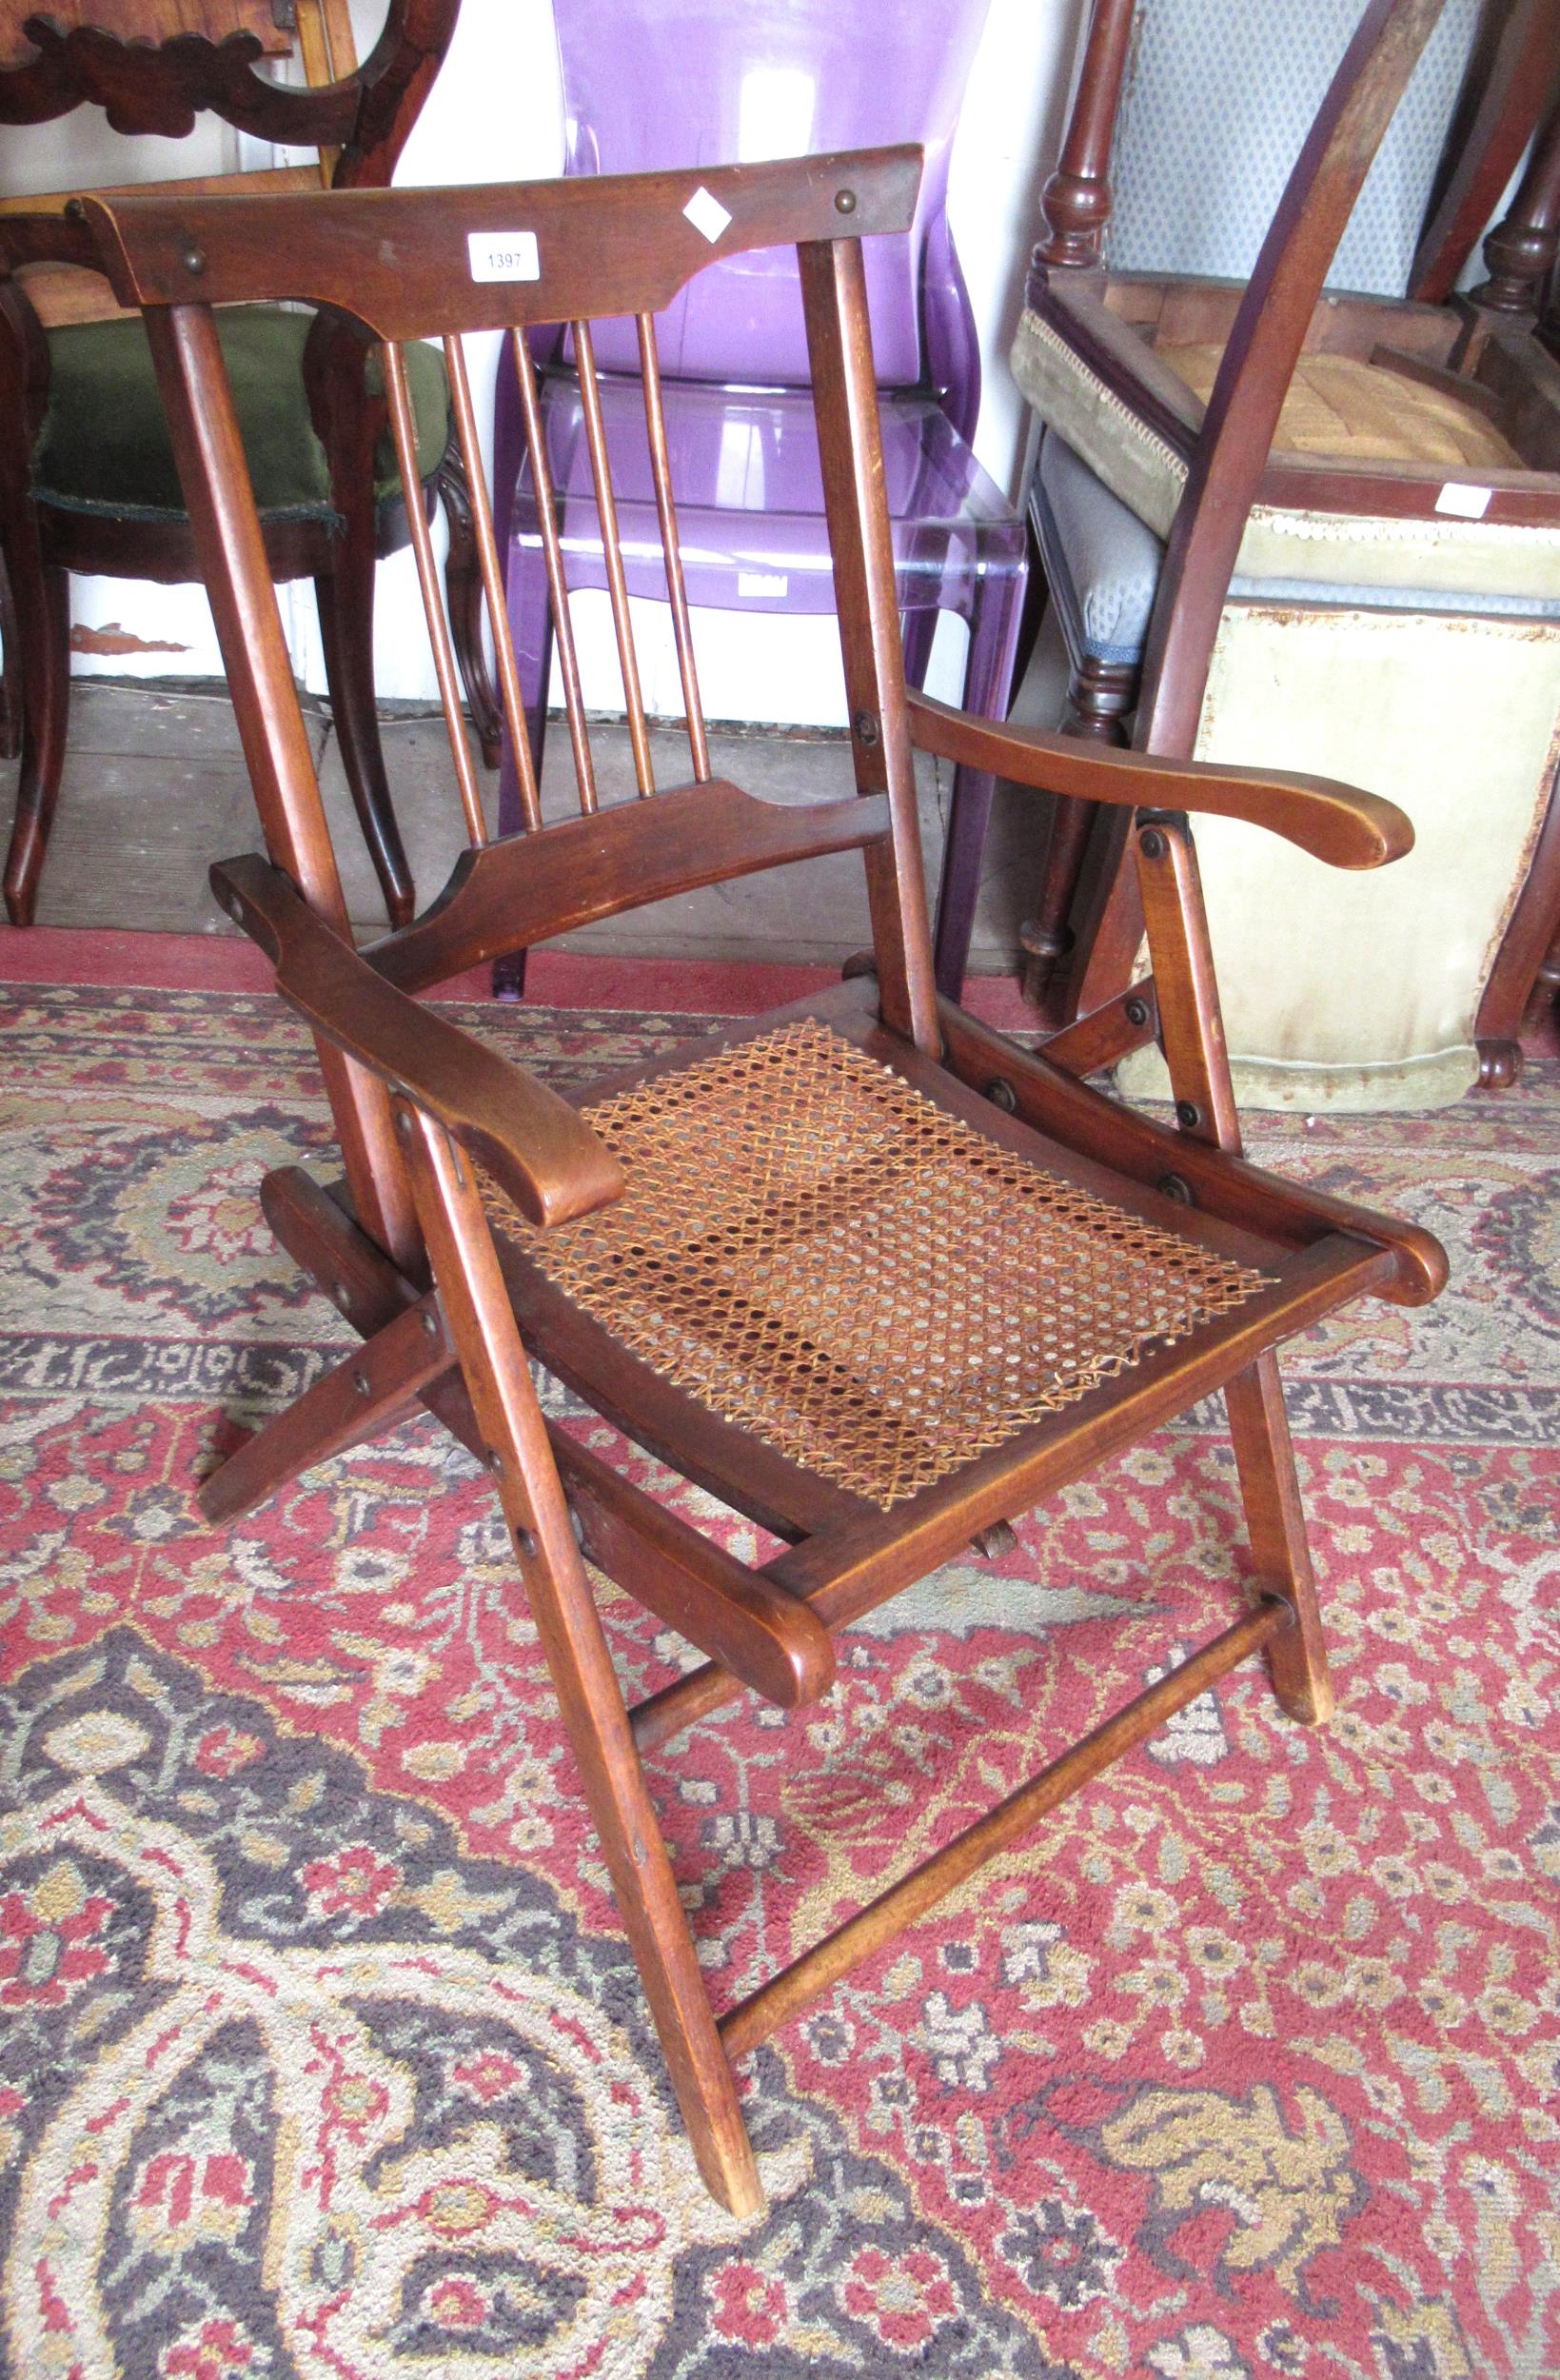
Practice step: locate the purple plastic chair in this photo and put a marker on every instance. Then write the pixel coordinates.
(728, 81)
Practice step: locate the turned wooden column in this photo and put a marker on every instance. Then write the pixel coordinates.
(1077, 199)
(1520, 253)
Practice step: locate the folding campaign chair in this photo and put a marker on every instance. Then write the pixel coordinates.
(864, 1270)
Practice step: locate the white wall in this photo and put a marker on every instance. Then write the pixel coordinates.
(495, 113)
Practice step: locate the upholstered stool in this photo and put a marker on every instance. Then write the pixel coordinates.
(1421, 660)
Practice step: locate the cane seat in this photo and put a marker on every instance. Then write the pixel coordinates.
(821, 1255)
(1346, 406)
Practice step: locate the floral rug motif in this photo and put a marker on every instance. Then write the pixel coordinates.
(321, 2053)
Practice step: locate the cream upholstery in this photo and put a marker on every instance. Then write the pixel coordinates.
(1361, 991)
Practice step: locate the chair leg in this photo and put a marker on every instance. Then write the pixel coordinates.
(969, 816)
(345, 597)
(988, 690)
(41, 596)
(464, 592)
(10, 671)
(368, 1392)
(493, 1360)
(1100, 697)
(1270, 1493)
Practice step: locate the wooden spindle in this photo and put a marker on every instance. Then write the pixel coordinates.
(492, 577)
(552, 555)
(1077, 199)
(1521, 249)
(590, 396)
(403, 424)
(763, 2012)
(661, 467)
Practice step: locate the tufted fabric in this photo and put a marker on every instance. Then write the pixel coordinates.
(104, 446)
(1109, 559)
(1218, 102)
(1340, 405)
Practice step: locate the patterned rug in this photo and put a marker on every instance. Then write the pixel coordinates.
(321, 2054)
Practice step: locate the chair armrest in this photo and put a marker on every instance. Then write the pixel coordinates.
(532, 1142)
(1333, 821)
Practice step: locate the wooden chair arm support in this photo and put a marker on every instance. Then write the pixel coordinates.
(532, 1142)
(46, 233)
(1333, 821)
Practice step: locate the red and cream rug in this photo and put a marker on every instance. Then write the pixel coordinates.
(321, 2053)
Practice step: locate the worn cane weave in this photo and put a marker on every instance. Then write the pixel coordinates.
(819, 1254)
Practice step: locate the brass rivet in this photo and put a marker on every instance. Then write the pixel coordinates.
(1177, 1186)
(1137, 1012)
(1001, 1094)
(1152, 844)
(845, 202)
(194, 260)
(1187, 1114)
(494, 1460)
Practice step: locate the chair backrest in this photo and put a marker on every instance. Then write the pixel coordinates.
(1260, 357)
(154, 66)
(715, 81)
(132, 20)
(405, 264)
(1217, 104)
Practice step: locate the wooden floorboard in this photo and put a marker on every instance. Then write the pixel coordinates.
(154, 791)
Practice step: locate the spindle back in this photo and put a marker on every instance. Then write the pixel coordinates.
(406, 265)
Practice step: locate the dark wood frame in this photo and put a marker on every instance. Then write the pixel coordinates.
(144, 86)
(449, 1314)
(1088, 923)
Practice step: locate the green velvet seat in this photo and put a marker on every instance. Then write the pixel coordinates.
(88, 483)
(103, 448)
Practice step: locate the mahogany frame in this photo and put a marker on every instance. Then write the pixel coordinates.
(359, 116)
(449, 1314)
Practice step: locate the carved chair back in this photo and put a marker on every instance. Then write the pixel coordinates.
(153, 66)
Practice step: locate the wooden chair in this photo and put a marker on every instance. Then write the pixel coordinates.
(86, 480)
(864, 1270)
(1217, 460)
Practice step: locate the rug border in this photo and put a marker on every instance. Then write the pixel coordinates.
(220, 961)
